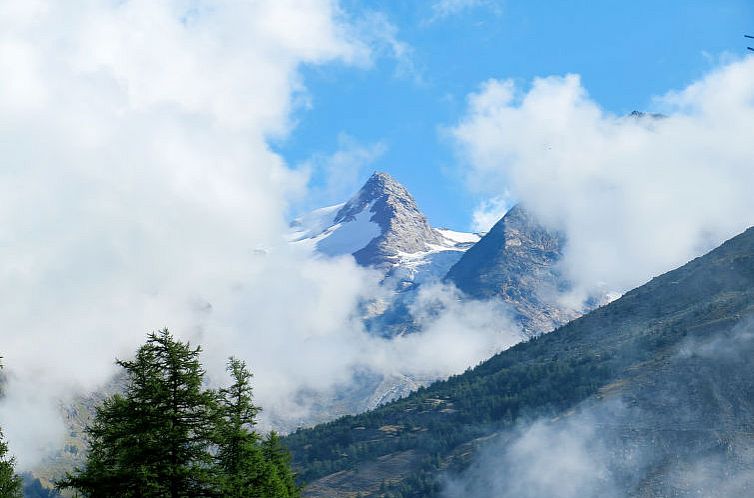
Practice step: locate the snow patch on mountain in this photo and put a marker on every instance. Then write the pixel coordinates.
(336, 239)
(347, 238)
(313, 223)
(382, 227)
(459, 237)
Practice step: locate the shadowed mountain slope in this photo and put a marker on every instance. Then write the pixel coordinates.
(517, 261)
(641, 351)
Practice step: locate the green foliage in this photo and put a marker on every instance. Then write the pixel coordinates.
(169, 436)
(10, 482)
(153, 439)
(282, 481)
(250, 467)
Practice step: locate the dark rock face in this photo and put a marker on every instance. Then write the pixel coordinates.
(517, 261)
(404, 228)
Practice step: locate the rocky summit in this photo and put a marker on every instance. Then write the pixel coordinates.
(383, 228)
(517, 261)
(404, 229)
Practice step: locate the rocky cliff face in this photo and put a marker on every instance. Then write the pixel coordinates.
(383, 228)
(517, 261)
(403, 228)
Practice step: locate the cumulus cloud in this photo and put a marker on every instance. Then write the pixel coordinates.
(137, 186)
(636, 195)
(489, 211)
(138, 191)
(308, 344)
(454, 334)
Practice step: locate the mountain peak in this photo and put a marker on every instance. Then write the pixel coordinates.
(382, 227)
(379, 186)
(404, 227)
(517, 260)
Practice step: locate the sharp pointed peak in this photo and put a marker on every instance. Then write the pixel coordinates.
(404, 226)
(382, 180)
(380, 184)
(381, 175)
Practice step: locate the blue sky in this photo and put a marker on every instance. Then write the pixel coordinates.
(625, 51)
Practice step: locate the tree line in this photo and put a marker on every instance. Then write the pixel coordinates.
(167, 435)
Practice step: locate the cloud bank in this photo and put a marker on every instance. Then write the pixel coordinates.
(138, 190)
(636, 195)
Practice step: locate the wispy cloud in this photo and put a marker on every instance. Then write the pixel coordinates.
(442, 9)
(665, 442)
(376, 30)
(636, 196)
(489, 212)
(340, 171)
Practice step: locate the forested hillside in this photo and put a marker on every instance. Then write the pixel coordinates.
(401, 448)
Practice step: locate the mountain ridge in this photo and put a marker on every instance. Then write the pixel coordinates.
(518, 261)
(382, 227)
(631, 349)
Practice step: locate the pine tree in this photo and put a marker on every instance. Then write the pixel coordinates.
(153, 441)
(166, 436)
(10, 482)
(251, 467)
(283, 481)
(239, 453)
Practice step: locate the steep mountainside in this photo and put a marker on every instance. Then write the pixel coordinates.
(672, 356)
(382, 227)
(517, 261)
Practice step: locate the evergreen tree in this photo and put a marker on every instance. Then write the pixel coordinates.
(239, 453)
(251, 468)
(166, 436)
(283, 481)
(10, 482)
(153, 440)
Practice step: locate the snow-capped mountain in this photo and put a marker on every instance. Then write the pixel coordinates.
(382, 227)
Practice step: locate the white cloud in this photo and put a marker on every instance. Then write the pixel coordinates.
(137, 191)
(560, 460)
(489, 212)
(342, 171)
(454, 334)
(636, 196)
(136, 182)
(376, 29)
